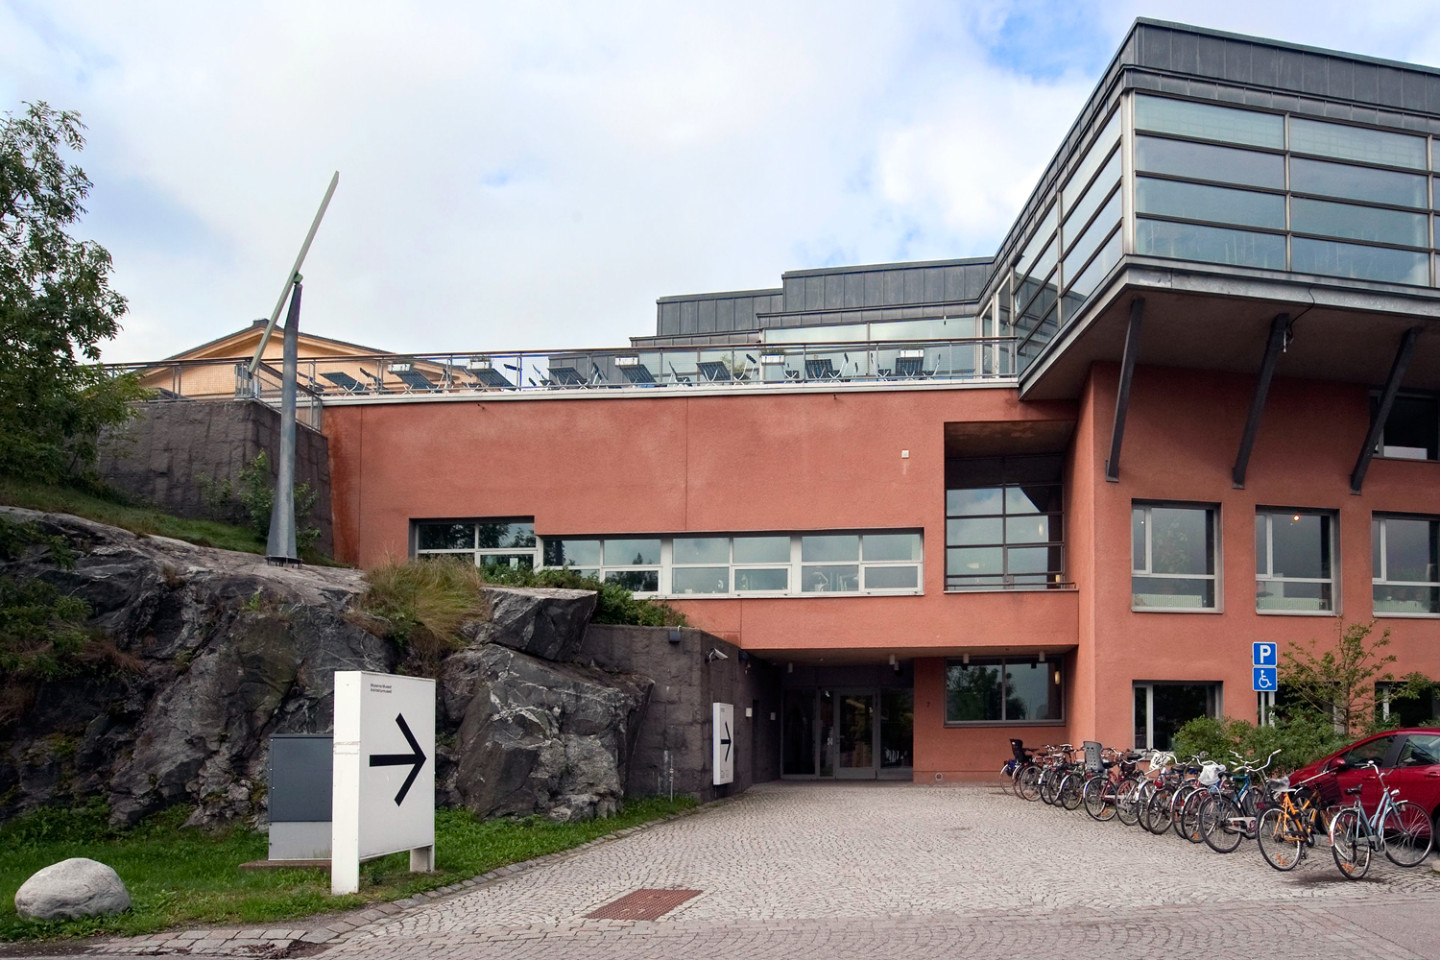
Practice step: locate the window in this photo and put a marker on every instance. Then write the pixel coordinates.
(1018, 690)
(1412, 431)
(749, 564)
(632, 562)
(1163, 708)
(1405, 554)
(492, 543)
(1294, 557)
(1173, 557)
(1007, 530)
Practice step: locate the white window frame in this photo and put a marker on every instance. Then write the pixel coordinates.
(478, 554)
(1384, 562)
(1217, 578)
(1328, 516)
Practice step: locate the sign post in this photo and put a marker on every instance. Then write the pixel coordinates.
(722, 755)
(384, 782)
(1265, 679)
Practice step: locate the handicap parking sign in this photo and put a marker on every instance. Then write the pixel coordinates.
(1266, 655)
(1266, 679)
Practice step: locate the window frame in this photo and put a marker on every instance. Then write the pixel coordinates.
(1382, 559)
(1332, 531)
(1056, 665)
(1216, 549)
(474, 551)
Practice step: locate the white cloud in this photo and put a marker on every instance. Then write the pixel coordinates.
(537, 174)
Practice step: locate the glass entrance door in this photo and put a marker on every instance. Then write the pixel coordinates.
(856, 735)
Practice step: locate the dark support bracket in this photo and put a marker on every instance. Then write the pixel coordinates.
(1273, 348)
(1382, 412)
(1122, 394)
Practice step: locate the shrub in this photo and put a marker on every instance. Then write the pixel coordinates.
(422, 603)
(248, 503)
(1300, 739)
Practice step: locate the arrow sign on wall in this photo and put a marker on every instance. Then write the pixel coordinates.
(725, 741)
(416, 757)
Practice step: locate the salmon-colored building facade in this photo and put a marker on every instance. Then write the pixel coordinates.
(1192, 404)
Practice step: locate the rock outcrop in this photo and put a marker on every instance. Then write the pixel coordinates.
(71, 889)
(214, 651)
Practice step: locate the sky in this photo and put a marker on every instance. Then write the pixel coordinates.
(535, 175)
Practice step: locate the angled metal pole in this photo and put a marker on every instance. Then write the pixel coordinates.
(1122, 391)
(1273, 348)
(280, 547)
(294, 274)
(1383, 408)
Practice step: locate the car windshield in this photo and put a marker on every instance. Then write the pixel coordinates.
(1420, 750)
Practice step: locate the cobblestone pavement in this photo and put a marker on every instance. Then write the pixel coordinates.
(900, 870)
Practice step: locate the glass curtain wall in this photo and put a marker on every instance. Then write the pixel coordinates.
(1220, 184)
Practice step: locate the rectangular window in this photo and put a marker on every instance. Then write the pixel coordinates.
(1174, 557)
(1294, 561)
(1161, 709)
(1356, 143)
(1195, 201)
(1405, 555)
(1412, 431)
(1200, 161)
(1357, 183)
(493, 544)
(1008, 532)
(1359, 223)
(1187, 241)
(1012, 690)
(1204, 121)
(1359, 262)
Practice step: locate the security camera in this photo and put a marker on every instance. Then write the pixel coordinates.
(715, 654)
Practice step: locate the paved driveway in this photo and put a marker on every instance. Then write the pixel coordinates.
(904, 870)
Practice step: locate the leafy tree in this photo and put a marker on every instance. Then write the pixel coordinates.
(1339, 683)
(56, 305)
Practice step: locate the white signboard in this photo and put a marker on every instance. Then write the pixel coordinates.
(384, 784)
(723, 735)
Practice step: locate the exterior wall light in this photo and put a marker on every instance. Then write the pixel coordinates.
(481, 363)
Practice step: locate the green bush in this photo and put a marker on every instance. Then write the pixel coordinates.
(249, 502)
(1300, 740)
(424, 602)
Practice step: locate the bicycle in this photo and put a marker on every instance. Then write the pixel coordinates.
(1230, 815)
(1399, 829)
(1285, 831)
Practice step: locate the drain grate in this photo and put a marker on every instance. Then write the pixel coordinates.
(642, 905)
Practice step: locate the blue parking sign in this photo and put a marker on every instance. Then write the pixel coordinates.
(1267, 655)
(1266, 679)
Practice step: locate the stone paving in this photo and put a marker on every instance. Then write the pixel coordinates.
(893, 870)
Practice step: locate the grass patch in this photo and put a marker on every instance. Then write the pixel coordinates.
(422, 603)
(187, 877)
(146, 521)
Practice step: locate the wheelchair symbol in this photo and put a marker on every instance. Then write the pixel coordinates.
(1265, 679)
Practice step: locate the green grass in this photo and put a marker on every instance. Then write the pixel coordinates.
(180, 877)
(137, 519)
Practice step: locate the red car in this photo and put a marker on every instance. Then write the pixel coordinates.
(1410, 760)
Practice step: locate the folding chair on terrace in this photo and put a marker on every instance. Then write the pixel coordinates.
(344, 381)
(822, 369)
(713, 371)
(565, 377)
(415, 381)
(639, 375)
(491, 377)
(910, 367)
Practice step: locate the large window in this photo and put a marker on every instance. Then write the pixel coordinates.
(766, 564)
(1405, 555)
(1226, 185)
(1173, 557)
(1004, 525)
(1012, 690)
(491, 543)
(1294, 557)
(1412, 431)
(1161, 709)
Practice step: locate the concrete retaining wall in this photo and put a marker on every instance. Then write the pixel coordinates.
(161, 455)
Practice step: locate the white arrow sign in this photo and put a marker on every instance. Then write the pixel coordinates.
(722, 727)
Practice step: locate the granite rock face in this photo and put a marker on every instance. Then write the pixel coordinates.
(70, 889)
(541, 737)
(214, 651)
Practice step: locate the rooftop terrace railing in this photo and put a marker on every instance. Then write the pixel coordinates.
(541, 373)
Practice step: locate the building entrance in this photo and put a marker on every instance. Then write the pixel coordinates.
(848, 733)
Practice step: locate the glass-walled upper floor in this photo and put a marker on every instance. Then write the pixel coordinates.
(1204, 182)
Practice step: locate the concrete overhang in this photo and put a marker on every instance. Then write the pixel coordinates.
(872, 655)
(1218, 318)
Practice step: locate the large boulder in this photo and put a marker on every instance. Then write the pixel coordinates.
(543, 622)
(72, 888)
(540, 737)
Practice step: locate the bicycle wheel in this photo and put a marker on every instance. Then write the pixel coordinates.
(1049, 787)
(1127, 802)
(1279, 839)
(1188, 822)
(1220, 824)
(1408, 834)
(1158, 812)
(1099, 799)
(1351, 847)
(1071, 789)
(1183, 793)
(1027, 784)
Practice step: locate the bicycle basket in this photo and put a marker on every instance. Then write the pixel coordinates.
(1210, 773)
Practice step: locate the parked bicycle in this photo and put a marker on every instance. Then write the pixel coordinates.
(1399, 829)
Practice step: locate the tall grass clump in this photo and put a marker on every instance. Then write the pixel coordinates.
(421, 604)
